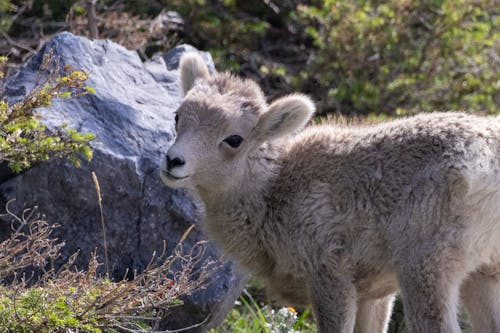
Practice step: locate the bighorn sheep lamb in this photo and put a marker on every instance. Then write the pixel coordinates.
(345, 217)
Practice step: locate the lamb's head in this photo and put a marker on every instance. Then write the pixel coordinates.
(222, 120)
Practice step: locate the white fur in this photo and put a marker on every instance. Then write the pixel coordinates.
(192, 67)
(344, 217)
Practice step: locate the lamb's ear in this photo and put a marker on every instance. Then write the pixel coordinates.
(192, 67)
(284, 116)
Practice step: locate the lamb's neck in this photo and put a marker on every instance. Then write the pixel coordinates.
(234, 218)
(261, 169)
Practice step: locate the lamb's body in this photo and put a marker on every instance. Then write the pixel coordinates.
(370, 197)
(344, 217)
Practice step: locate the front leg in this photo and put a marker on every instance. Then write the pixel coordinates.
(333, 299)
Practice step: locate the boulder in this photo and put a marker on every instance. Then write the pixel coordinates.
(132, 112)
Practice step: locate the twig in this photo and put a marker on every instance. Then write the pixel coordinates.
(92, 19)
(16, 44)
(99, 198)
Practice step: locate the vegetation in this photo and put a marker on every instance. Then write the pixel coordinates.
(24, 140)
(5, 19)
(36, 297)
(354, 57)
(396, 57)
(252, 316)
(361, 57)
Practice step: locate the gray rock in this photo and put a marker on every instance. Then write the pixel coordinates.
(132, 113)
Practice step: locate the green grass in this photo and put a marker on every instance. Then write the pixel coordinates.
(252, 316)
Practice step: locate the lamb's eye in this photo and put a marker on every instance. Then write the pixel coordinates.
(176, 118)
(234, 140)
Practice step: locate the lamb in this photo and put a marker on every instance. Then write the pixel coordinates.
(343, 218)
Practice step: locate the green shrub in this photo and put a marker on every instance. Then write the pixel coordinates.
(230, 30)
(365, 57)
(397, 57)
(24, 140)
(6, 9)
(55, 9)
(362, 57)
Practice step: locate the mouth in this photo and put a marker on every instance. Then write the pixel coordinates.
(169, 176)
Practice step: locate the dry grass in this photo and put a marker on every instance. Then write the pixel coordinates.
(37, 297)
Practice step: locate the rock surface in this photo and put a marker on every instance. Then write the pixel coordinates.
(132, 113)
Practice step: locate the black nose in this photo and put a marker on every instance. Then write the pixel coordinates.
(174, 162)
